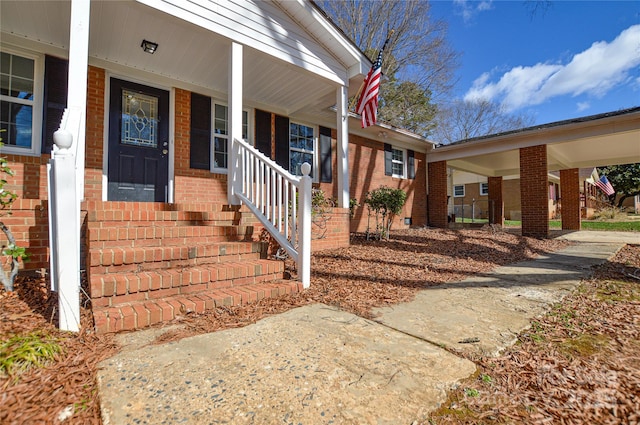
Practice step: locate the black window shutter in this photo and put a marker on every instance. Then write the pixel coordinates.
(282, 141)
(200, 143)
(56, 75)
(263, 132)
(326, 173)
(411, 165)
(388, 156)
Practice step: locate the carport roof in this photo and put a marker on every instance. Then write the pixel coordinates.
(597, 140)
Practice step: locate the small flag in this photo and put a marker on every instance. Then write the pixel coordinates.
(594, 177)
(368, 103)
(605, 185)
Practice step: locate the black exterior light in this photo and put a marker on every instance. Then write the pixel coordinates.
(149, 46)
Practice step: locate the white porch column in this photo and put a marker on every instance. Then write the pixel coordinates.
(342, 150)
(77, 87)
(234, 172)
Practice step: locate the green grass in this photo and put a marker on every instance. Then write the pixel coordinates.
(22, 352)
(620, 226)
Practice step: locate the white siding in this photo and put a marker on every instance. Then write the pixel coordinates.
(261, 25)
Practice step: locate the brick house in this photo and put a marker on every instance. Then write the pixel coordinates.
(170, 99)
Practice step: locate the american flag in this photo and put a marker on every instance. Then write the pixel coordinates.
(605, 185)
(367, 105)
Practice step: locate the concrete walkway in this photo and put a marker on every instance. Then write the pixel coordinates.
(319, 365)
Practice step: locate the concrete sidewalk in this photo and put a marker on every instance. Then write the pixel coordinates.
(320, 365)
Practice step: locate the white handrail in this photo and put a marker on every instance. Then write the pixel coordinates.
(273, 194)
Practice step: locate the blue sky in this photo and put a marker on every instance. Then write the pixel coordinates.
(574, 59)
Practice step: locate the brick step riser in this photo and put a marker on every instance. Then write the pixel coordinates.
(159, 223)
(138, 315)
(156, 206)
(166, 252)
(154, 232)
(151, 242)
(164, 290)
(137, 267)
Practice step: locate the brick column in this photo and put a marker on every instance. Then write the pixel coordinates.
(570, 198)
(496, 204)
(534, 191)
(437, 195)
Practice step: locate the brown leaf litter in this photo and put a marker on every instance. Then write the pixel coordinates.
(365, 275)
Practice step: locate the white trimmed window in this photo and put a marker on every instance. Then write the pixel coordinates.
(398, 161)
(458, 191)
(221, 136)
(21, 77)
(484, 189)
(302, 147)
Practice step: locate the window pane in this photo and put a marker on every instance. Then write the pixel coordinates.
(220, 152)
(297, 159)
(4, 84)
(397, 155)
(22, 88)
(16, 120)
(22, 67)
(397, 169)
(245, 125)
(5, 63)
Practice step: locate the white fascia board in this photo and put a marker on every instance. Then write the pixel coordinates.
(359, 63)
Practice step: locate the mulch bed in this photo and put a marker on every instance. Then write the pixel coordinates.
(365, 275)
(578, 364)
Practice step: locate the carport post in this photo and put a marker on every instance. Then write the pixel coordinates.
(534, 191)
(570, 198)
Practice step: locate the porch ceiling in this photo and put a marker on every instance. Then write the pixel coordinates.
(188, 56)
(600, 140)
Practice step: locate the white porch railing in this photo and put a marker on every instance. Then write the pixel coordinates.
(64, 219)
(280, 201)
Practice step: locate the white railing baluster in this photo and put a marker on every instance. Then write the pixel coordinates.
(273, 195)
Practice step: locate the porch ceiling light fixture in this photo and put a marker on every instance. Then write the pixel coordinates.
(149, 46)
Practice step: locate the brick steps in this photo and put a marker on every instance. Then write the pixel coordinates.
(104, 236)
(146, 313)
(150, 262)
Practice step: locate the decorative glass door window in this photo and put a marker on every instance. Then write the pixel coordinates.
(16, 100)
(301, 147)
(139, 119)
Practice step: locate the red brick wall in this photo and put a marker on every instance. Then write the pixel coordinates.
(570, 187)
(496, 204)
(366, 170)
(192, 185)
(437, 194)
(29, 219)
(534, 191)
(94, 134)
(329, 231)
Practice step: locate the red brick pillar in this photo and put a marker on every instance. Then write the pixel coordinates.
(496, 204)
(534, 191)
(570, 198)
(437, 194)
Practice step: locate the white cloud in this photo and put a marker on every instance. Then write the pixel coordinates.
(582, 106)
(469, 9)
(594, 72)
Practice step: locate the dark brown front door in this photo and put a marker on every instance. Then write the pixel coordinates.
(138, 168)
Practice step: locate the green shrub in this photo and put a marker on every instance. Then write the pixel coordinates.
(385, 203)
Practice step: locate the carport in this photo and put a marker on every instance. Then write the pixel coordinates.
(566, 146)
